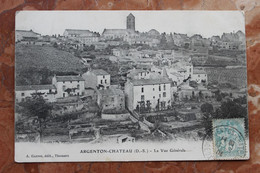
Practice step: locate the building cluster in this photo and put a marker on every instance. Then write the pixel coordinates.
(114, 37)
(154, 79)
(145, 89)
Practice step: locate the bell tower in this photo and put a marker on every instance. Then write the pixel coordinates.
(130, 22)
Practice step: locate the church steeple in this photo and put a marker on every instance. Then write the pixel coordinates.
(130, 22)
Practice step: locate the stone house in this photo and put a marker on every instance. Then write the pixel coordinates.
(68, 85)
(48, 92)
(96, 79)
(111, 100)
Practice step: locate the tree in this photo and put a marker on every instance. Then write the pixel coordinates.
(55, 45)
(219, 97)
(193, 95)
(163, 41)
(171, 41)
(193, 84)
(206, 108)
(148, 106)
(37, 107)
(231, 109)
(200, 95)
(175, 96)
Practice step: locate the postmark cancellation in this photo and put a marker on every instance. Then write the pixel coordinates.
(229, 141)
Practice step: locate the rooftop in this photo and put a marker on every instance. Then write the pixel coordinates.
(99, 72)
(176, 74)
(26, 33)
(69, 78)
(153, 32)
(199, 71)
(34, 87)
(181, 69)
(112, 91)
(118, 31)
(78, 31)
(138, 82)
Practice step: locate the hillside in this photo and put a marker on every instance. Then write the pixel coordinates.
(27, 56)
(37, 64)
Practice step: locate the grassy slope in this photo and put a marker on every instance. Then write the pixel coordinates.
(27, 56)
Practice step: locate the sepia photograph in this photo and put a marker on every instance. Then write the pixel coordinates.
(130, 86)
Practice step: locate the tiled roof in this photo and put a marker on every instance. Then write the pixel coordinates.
(25, 33)
(99, 72)
(118, 31)
(153, 32)
(134, 72)
(199, 71)
(79, 31)
(69, 78)
(138, 82)
(112, 91)
(181, 69)
(34, 87)
(176, 74)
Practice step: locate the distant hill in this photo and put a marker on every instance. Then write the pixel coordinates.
(37, 64)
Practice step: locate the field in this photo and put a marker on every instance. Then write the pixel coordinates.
(27, 56)
(36, 64)
(234, 76)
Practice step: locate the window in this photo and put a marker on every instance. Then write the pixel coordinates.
(63, 87)
(101, 81)
(70, 81)
(63, 81)
(159, 95)
(205, 75)
(164, 87)
(142, 89)
(154, 97)
(77, 86)
(103, 76)
(49, 90)
(78, 81)
(63, 94)
(142, 97)
(159, 87)
(105, 81)
(112, 99)
(22, 94)
(198, 75)
(153, 89)
(164, 94)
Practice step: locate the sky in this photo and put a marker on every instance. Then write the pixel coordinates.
(206, 23)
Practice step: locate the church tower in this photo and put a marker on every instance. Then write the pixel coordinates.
(130, 22)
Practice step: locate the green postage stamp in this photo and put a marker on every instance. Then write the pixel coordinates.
(229, 138)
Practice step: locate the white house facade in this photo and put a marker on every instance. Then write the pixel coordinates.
(143, 92)
(68, 85)
(48, 92)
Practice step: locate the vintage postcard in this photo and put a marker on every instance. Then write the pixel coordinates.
(130, 86)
